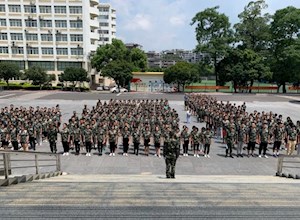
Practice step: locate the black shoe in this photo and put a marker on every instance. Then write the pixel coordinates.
(241, 155)
(231, 156)
(172, 177)
(100, 154)
(168, 177)
(226, 155)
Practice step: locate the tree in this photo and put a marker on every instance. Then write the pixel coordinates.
(242, 67)
(285, 30)
(74, 75)
(213, 34)
(139, 59)
(117, 51)
(120, 71)
(253, 30)
(9, 71)
(37, 75)
(182, 73)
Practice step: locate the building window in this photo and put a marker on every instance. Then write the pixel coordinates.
(61, 37)
(106, 39)
(46, 37)
(60, 9)
(104, 9)
(16, 36)
(46, 23)
(31, 23)
(77, 51)
(15, 22)
(62, 51)
(3, 49)
(3, 22)
(2, 8)
(30, 8)
(31, 37)
(76, 24)
(32, 50)
(77, 37)
(106, 17)
(47, 50)
(17, 50)
(103, 31)
(14, 8)
(61, 24)
(104, 24)
(3, 36)
(45, 9)
(45, 65)
(61, 66)
(75, 9)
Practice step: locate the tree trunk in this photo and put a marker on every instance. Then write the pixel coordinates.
(178, 86)
(40, 86)
(278, 87)
(7, 84)
(283, 87)
(251, 84)
(234, 86)
(216, 72)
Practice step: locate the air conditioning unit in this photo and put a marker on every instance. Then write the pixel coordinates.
(49, 31)
(79, 18)
(58, 32)
(41, 18)
(28, 45)
(13, 44)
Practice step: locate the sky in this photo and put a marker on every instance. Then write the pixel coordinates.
(165, 24)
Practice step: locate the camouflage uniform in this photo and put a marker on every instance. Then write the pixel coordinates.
(136, 140)
(171, 153)
(264, 139)
(88, 134)
(230, 140)
(65, 135)
(52, 138)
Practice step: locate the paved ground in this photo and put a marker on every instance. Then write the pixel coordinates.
(216, 165)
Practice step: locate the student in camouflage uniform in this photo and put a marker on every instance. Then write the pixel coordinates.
(241, 139)
(4, 136)
(252, 139)
(195, 140)
(65, 139)
(171, 153)
(230, 140)
(52, 137)
(100, 137)
(185, 137)
(32, 135)
(146, 137)
(264, 140)
(125, 135)
(279, 132)
(76, 138)
(292, 140)
(112, 137)
(88, 139)
(207, 139)
(24, 138)
(14, 137)
(157, 139)
(136, 136)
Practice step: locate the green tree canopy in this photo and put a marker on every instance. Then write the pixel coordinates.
(120, 71)
(253, 30)
(37, 75)
(241, 67)
(138, 59)
(9, 71)
(181, 74)
(213, 33)
(285, 30)
(74, 75)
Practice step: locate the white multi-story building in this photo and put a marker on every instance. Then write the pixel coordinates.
(52, 34)
(107, 23)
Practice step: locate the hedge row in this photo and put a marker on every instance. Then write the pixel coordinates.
(33, 87)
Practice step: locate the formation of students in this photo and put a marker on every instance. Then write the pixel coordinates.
(148, 123)
(238, 128)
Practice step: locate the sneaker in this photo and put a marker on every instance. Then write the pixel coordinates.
(277, 154)
(155, 155)
(87, 154)
(110, 154)
(126, 155)
(159, 156)
(208, 156)
(205, 155)
(114, 154)
(266, 156)
(195, 155)
(259, 156)
(67, 154)
(64, 154)
(187, 155)
(198, 155)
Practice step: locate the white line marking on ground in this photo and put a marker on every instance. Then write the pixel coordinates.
(3, 96)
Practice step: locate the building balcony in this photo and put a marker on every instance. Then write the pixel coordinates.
(94, 35)
(94, 23)
(94, 47)
(94, 2)
(94, 12)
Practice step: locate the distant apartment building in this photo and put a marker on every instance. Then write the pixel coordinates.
(52, 34)
(169, 58)
(107, 23)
